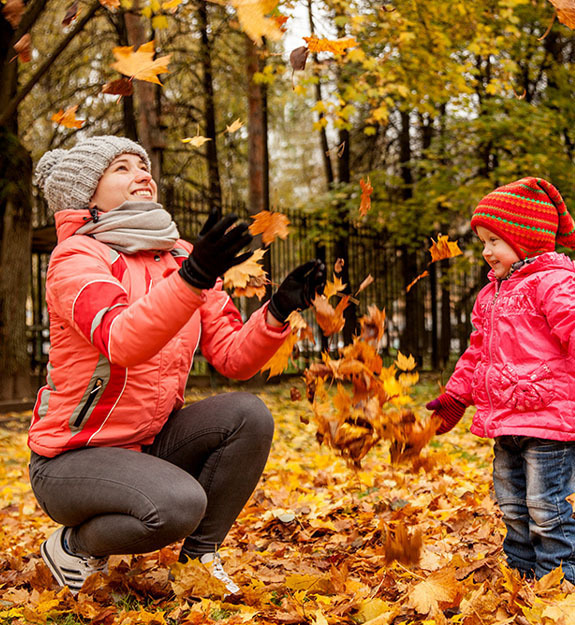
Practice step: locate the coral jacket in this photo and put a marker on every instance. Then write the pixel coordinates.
(519, 369)
(123, 332)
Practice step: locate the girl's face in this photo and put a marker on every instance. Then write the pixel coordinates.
(498, 254)
(126, 179)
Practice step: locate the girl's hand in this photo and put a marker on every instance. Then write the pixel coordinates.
(448, 409)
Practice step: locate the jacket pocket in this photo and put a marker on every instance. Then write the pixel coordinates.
(524, 391)
(89, 401)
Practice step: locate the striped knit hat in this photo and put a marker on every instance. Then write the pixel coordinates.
(529, 214)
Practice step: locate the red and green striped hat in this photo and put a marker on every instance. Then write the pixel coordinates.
(529, 214)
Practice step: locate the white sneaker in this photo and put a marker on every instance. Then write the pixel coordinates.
(69, 570)
(214, 564)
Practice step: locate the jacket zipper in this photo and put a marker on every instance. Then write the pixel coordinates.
(491, 333)
(89, 401)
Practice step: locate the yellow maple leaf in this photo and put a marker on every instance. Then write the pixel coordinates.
(234, 126)
(337, 46)
(240, 275)
(196, 141)
(443, 248)
(331, 288)
(254, 20)
(270, 225)
(405, 363)
(67, 118)
(140, 64)
(280, 360)
(439, 591)
(366, 191)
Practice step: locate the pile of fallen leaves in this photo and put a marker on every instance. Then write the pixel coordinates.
(318, 543)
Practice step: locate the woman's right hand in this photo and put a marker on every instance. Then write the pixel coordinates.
(215, 250)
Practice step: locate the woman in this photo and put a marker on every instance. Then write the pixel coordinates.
(116, 458)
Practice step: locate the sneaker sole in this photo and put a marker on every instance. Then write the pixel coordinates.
(55, 570)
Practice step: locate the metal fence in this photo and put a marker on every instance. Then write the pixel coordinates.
(369, 253)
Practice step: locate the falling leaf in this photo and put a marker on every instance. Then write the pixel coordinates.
(402, 545)
(279, 361)
(270, 225)
(330, 320)
(234, 126)
(366, 191)
(13, 11)
(337, 46)
(372, 325)
(110, 4)
(366, 282)
(280, 20)
(443, 248)
(405, 363)
(298, 58)
(331, 288)
(140, 64)
(171, 5)
(71, 14)
(565, 11)
(338, 267)
(120, 86)
(424, 274)
(67, 118)
(295, 394)
(254, 20)
(196, 141)
(23, 48)
(247, 278)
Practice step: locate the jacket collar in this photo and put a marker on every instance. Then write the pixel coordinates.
(68, 221)
(543, 262)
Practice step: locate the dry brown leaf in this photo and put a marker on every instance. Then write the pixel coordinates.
(71, 14)
(337, 46)
(424, 274)
(338, 266)
(270, 225)
(234, 126)
(366, 191)
(193, 579)
(298, 58)
(372, 325)
(140, 64)
(120, 86)
(23, 48)
(67, 118)
(403, 546)
(565, 11)
(13, 11)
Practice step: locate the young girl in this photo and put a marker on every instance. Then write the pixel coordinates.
(116, 458)
(519, 371)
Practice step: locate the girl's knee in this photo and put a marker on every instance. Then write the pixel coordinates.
(255, 414)
(180, 513)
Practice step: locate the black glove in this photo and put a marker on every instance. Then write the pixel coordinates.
(215, 251)
(298, 289)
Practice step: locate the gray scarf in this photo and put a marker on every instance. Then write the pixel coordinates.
(134, 227)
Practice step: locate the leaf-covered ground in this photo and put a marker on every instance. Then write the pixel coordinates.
(318, 543)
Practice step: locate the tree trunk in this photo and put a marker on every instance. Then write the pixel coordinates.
(258, 156)
(147, 99)
(215, 189)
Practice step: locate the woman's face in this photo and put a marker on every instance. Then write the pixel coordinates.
(127, 179)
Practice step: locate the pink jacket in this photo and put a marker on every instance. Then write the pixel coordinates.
(123, 331)
(519, 369)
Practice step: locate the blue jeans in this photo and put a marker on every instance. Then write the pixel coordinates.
(191, 482)
(532, 478)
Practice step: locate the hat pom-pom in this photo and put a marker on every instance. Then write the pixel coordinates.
(46, 165)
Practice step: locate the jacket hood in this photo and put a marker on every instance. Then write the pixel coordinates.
(543, 262)
(68, 222)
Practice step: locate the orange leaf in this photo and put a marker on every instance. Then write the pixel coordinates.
(331, 288)
(372, 325)
(13, 11)
(421, 275)
(280, 360)
(270, 225)
(402, 545)
(443, 248)
(22, 47)
(325, 45)
(121, 86)
(366, 282)
(338, 266)
(565, 11)
(440, 590)
(330, 320)
(366, 191)
(140, 64)
(68, 118)
(110, 4)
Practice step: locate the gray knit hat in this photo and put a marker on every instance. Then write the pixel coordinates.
(68, 178)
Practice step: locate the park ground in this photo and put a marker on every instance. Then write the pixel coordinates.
(319, 543)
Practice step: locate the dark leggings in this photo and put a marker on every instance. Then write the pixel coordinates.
(191, 483)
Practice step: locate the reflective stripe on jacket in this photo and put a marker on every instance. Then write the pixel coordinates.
(519, 369)
(123, 332)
